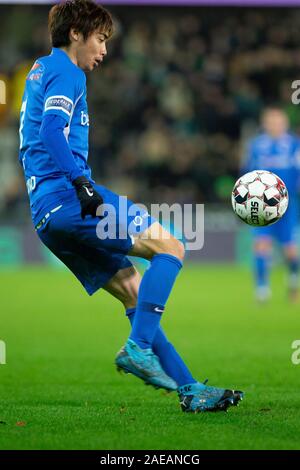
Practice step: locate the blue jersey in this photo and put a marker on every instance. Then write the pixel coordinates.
(56, 86)
(281, 156)
(53, 86)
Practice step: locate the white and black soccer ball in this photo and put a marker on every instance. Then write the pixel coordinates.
(259, 198)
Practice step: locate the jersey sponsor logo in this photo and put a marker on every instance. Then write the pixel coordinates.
(34, 76)
(36, 72)
(35, 66)
(59, 102)
(84, 119)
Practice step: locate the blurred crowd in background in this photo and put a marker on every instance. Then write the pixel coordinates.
(178, 94)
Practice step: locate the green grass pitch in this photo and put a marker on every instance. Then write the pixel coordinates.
(59, 388)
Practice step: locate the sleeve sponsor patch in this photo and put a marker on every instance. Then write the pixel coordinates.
(36, 72)
(59, 102)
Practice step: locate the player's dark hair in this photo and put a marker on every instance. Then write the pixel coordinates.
(85, 16)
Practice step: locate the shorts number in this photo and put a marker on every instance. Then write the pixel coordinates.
(31, 184)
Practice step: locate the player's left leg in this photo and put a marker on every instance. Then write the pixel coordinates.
(166, 255)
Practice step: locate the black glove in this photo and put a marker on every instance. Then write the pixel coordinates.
(88, 197)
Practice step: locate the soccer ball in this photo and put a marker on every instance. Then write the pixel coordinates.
(259, 198)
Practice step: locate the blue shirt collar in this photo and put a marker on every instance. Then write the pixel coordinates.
(56, 51)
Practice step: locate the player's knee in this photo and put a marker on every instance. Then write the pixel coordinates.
(262, 247)
(172, 247)
(180, 250)
(157, 241)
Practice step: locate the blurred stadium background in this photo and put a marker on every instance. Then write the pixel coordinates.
(177, 98)
(171, 109)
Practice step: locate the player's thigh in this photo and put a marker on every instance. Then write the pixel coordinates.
(123, 220)
(263, 245)
(124, 286)
(263, 239)
(155, 240)
(143, 235)
(92, 232)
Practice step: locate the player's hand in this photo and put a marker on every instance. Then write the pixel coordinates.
(88, 197)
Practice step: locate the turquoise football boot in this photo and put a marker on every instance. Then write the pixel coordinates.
(199, 397)
(143, 363)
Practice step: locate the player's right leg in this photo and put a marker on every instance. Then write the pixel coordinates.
(262, 254)
(166, 256)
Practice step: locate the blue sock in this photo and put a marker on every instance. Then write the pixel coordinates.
(153, 294)
(169, 358)
(262, 270)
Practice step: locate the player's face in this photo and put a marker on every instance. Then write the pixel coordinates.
(275, 122)
(90, 53)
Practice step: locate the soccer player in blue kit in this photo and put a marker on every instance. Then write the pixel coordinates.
(67, 206)
(276, 150)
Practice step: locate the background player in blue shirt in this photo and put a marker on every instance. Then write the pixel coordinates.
(276, 150)
(68, 208)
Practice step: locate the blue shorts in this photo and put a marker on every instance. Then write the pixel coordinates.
(284, 231)
(82, 245)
